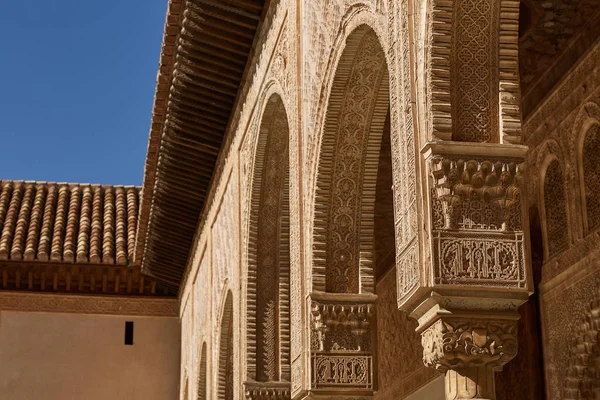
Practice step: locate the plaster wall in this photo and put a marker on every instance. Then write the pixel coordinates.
(49, 356)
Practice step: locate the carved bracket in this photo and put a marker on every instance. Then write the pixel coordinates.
(452, 343)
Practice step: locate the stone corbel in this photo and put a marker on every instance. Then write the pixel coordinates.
(467, 344)
(478, 272)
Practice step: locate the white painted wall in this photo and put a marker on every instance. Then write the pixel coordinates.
(47, 356)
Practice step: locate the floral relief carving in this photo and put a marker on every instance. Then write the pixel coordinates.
(403, 156)
(459, 343)
(477, 232)
(343, 160)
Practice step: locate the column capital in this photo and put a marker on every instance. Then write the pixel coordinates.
(462, 342)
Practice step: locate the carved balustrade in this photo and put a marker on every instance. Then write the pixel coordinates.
(477, 271)
(341, 344)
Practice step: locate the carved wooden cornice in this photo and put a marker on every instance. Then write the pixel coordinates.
(78, 304)
(79, 278)
(206, 47)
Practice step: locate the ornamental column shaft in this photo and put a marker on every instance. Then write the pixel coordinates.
(472, 270)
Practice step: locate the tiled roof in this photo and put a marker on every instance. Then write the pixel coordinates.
(62, 222)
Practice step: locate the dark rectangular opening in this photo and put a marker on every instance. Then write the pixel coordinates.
(129, 333)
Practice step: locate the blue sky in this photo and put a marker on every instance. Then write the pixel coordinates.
(76, 88)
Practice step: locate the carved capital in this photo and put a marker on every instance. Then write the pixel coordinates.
(477, 222)
(456, 343)
(341, 325)
(342, 343)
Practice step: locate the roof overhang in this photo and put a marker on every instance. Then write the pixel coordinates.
(205, 51)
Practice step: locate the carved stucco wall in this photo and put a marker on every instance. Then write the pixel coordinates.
(399, 351)
(216, 264)
(324, 26)
(570, 274)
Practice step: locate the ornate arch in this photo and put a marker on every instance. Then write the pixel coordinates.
(225, 368)
(202, 379)
(552, 195)
(268, 282)
(347, 170)
(587, 134)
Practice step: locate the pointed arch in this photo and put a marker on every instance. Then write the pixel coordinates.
(202, 374)
(554, 210)
(225, 368)
(589, 167)
(343, 260)
(268, 290)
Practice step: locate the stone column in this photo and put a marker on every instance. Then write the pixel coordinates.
(476, 269)
(470, 269)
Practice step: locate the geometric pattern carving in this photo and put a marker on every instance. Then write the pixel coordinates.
(582, 378)
(474, 77)
(591, 176)
(348, 165)
(557, 233)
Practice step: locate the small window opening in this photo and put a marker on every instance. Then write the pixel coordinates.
(129, 333)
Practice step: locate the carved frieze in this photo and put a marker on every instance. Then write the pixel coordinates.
(342, 369)
(492, 259)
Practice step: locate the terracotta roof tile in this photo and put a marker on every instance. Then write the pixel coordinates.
(64, 222)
